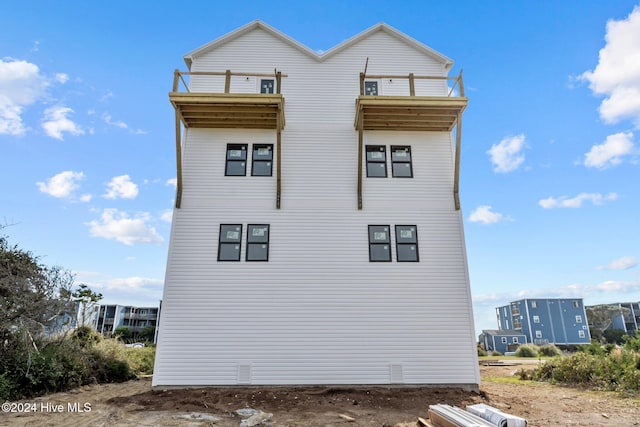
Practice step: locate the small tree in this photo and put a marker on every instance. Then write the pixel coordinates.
(602, 316)
(123, 332)
(87, 299)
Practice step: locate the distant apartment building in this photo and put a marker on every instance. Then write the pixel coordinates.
(547, 320)
(107, 318)
(627, 319)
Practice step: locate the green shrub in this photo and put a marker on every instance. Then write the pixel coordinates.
(527, 350)
(481, 351)
(141, 360)
(86, 336)
(5, 388)
(550, 350)
(594, 349)
(496, 353)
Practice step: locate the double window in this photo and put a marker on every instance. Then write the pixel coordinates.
(401, 164)
(261, 163)
(406, 243)
(267, 86)
(230, 242)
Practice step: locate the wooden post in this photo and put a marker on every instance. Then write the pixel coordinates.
(176, 76)
(456, 177)
(412, 86)
(361, 84)
(278, 160)
(460, 83)
(227, 81)
(178, 162)
(278, 81)
(360, 149)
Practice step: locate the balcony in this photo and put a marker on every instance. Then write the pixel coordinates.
(228, 110)
(412, 112)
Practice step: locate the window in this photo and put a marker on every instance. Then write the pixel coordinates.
(257, 242)
(514, 340)
(536, 319)
(581, 334)
(376, 161)
(267, 85)
(578, 319)
(236, 160)
(371, 88)
(503, 340)
(229, 242)
(407, 243)
(401, 162)
(379, 243)
(576, 304)
(262, 160)
(534, 304)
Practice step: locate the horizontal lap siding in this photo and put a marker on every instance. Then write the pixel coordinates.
(318, 312)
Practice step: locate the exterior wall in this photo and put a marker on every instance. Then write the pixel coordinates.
(318, 312)
(548, 321)
(501, 341)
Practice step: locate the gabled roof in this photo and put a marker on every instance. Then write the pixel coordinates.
(258, 24)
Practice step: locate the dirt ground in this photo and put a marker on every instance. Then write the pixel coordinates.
(134, 404)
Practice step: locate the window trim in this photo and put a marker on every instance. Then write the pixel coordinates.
(402, 162)
(581, 334)
(503, 340)
(578, 318)
(370, 149)
(221, 242)
(370, 82)
(273, 80)
(402, 243)
(374, 243)
(244, 147)
(536, 318)
(249, 242)
(261, 161)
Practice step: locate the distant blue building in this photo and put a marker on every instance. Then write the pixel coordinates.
(547, 320)
(627, 319)
(502, 341)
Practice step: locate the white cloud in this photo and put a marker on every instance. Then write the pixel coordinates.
(118, 123)
(172, 182)
(61, 77)
(624, 263)
(117, 225)
(132, 283)
(121, 187)
(62, 185)
(617, 75)
(21, 85)
(576, 202)
(86, 198)
(506, 155)
(167, 215)
(56, 122)
(484, 215)
(610, 152)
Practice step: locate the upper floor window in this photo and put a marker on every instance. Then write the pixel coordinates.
(267, 86)
(236, 160)
(581, 334)
(578, 319)
(576, 303)
(401, 161)
(534, 304)
(257, 242)
(262, 160)
(407, 243)
(229, 242)
(536, 319)
(379, 243)
(376, 161)
(371, 88)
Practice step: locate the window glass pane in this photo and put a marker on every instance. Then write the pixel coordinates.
(258, 234)
(402, 170)
(267, 86)
(261, 169)
(230, 233)
(400, 154)
(262, 152)
(376, 170)
(376, 153)
(229, 252)
(379, 234)
(257, 252)
(379, 252)
(237, 152)
(236, 168)
(406, 234)
(407, 252)
(371, 88)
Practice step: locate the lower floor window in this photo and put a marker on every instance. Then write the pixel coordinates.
(257, 242)
(379, 243)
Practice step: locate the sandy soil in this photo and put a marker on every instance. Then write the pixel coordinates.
(135, 404)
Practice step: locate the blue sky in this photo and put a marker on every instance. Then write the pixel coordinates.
(550, 160)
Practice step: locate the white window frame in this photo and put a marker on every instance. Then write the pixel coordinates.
(581, 334)
(578, 318)
(536, 318)
(538, 334)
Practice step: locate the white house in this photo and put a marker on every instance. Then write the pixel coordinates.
(317, 236)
